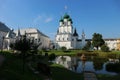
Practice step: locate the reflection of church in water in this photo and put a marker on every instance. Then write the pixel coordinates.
(67, 36)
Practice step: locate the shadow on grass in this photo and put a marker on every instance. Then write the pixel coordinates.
(12, 70)
(61, 73)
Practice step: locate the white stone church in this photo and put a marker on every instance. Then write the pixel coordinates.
(67, 35)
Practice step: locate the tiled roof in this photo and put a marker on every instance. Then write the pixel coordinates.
(3, 27)
(29, 31)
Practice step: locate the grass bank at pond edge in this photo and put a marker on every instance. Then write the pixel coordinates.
(61, 73)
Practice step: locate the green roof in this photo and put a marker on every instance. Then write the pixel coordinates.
(66, 16)
(61, 20)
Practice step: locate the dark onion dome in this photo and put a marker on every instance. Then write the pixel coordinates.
(75, 33)
(69, 19)
(61, 20)
(66, 16)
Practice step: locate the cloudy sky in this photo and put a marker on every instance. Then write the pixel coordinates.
(100, 16)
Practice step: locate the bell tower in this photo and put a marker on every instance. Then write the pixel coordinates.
(65, 31)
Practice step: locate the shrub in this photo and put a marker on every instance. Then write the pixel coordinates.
(63, 48)
(104, 48)
(46, 54)
(67, 51)
(52, 56)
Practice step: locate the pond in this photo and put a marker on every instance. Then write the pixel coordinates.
(96, 64)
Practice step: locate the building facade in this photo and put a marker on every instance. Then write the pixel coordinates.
(31, 33)
(67, 35)
(118, 44)
(3, 32)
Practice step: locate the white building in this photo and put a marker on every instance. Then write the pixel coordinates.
(31, 33)
(112, 43)
(67, 36)
(3, 31)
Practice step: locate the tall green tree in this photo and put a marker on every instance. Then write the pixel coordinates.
(97, 40)
(23, 45)
(87, 46)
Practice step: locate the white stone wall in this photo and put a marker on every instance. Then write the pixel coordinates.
(66, 44)
(112, 44)
(37, 36)
(1, 37)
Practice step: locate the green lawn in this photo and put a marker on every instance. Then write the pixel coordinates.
(74, 52)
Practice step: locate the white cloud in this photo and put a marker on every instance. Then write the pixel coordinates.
(37, 19)
(48, 19)
(42, 19)
(66, 7)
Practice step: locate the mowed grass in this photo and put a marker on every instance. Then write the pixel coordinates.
(76, 52)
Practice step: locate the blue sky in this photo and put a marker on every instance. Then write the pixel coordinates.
(100, 16)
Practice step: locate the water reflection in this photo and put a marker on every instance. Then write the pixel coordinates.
(76, 64)
(98, 63)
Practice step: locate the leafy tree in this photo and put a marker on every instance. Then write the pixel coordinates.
(34, 48)
(97, 40)
(105, 48)
(87, 46)
(24, 45)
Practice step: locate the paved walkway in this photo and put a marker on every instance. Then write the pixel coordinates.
(88, 75)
